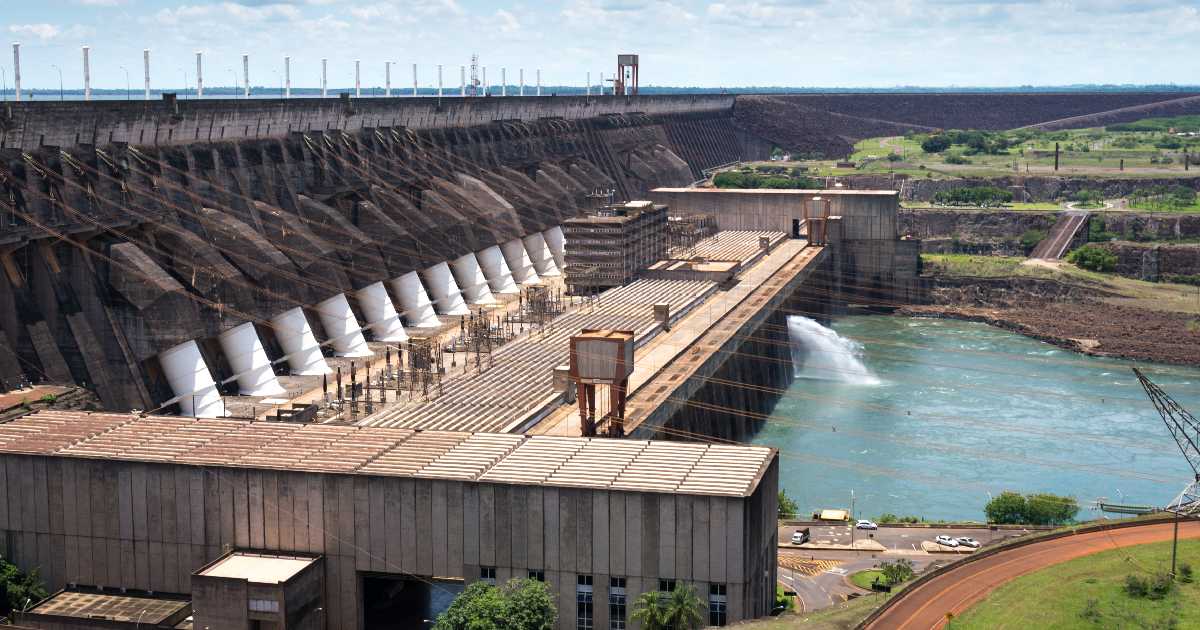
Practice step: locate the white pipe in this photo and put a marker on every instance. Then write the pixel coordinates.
(499, 276)
(387, 79)
(146, 67)
(287, 77)
(381, 314)
(519, 263)
(471, 280)
(324, 76)
(246, 75)
(503, 81)
(540, 255)
(414, 79)
(462, 88)
(87, 75)
(444, 291)
(345, 335)
(556, 242)
(244, 351)
(418, 309)
(190, 380)
(521, 75)
(539, 82)
(296, 338)
(357, 79)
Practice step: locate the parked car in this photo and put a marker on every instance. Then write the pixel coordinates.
(800, 536)
(865, 524)
(946, 541)
(967, 541)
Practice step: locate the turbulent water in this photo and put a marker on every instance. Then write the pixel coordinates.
(930, 417)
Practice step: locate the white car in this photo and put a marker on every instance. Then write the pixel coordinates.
(967, 541)
(946, 541)
(865, 524)
(799, 537)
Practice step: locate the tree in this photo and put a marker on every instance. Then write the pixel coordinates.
(19, 588)
(935, 144)
(681, 609)
(520, 605)
(1093, 258)
(787, 506)
(1050, 509)
(1005, 508)
(898, 571)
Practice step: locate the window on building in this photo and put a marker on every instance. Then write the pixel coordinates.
(666, 586)
(537, 575)
(717, 602)
(616, 603)
(264, 605)
(583, 602)
(488, 574)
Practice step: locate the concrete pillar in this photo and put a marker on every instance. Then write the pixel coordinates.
(503, 81)
(87, 75)
(414, 301)
(146, 68)
(539, 82)
(387, 79)
(244, 351)
(190, 381)
(382, 318)
(345, 335)
(246, 75)
(519, 263)
(589, 84)
(471, 280)
(495, 269)
(199, 74)
(17, 69)
(462, 90)
(296, 338)
(357, 78)
(444, 290)
(439, 80)
(486, 87)
(414, 79)
(601, 84)
(324, 76)
(287, 77)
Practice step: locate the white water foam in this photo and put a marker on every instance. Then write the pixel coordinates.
(820, 353)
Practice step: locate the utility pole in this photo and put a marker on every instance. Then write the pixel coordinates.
(521, 75)
(462, 80)
(414, 79)
(503, 81)
(539, 81)
(589, 84)
(324, 76)
(357, 78)
(439, 82)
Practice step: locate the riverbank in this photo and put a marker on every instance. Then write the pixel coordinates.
(1097, 314)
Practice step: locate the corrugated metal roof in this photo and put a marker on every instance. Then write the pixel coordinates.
(599, 463)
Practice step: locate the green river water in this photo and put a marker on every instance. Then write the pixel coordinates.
(930, 417)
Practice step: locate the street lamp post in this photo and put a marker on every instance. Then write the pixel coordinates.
(60, 81)
(127, 93)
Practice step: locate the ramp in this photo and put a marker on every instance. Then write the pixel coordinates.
(1059, 239)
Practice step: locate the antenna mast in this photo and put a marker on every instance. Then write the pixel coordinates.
(473, 86)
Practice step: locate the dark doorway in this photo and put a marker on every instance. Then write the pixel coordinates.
(795, 228)
(403, 602)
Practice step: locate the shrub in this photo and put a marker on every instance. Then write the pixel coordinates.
(1156, 586)
(955, 158)
(1185, 573)
(894, 157)
(787, 506)
(1093, 258)
(898, 571)
(783, 603)
(935, 144)
(1136, 586)
(1033, 509)
(1091, 611)
(888, 517)
(1031, 238)
(978, 196)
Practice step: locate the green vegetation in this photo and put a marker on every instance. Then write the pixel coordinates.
(888, 574)
(787, 506)
(1181, 124)
(20, 589)
(888, 517)
(977, 196)
(1098, 232)
(48, 399)
(1093, 258)
(520, 604)
(1012, 508)
(1031, 238)
(864, 579)
(765, 177)
(681, 609)
(1165, 199)
(1087, 199)
(783, 601)
(1091, 592)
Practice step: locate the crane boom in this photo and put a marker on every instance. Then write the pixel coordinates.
(1186, 430)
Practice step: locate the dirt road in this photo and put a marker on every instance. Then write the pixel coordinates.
(924, 607)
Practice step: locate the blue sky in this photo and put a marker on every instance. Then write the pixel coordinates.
(681, 42)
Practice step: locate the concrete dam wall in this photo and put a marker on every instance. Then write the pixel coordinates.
(137, 238)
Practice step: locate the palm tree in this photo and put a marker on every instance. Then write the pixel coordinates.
(681, 609)
(685, 611)
(649, 609)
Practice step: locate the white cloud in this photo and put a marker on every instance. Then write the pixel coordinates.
(101, 3)
(41, 31)
(508, 23)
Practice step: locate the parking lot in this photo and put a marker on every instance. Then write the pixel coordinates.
(817, 573)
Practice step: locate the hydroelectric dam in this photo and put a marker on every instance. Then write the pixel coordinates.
(338, 334)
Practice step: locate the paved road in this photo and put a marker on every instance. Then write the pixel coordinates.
(818, 576)
(925, 606)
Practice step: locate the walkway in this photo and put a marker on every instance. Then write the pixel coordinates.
(1056, 243)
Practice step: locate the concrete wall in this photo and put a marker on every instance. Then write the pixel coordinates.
(148, 526)
(28, 125)
(867, 214)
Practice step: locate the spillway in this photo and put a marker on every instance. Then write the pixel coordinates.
(539, 255)
(519, 263)
(444, 290)
(418, 308)
(345, 335)
(296, 338)
(381, 314)
(190, 381)
(556, 243)
(499, 276)
(471, 280)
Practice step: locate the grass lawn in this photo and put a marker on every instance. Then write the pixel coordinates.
(1160, 207)
(1055, 597)
(844, 616)
(863, 579)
